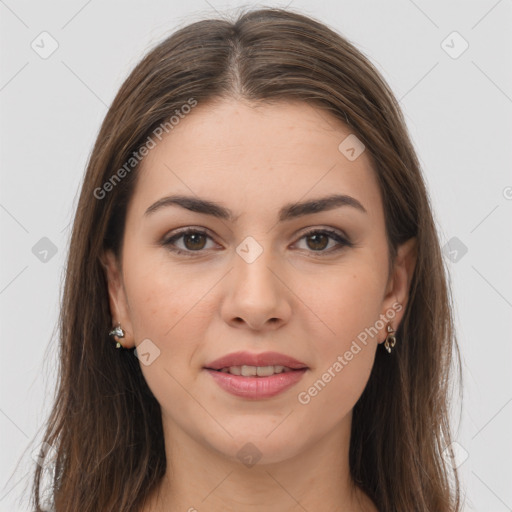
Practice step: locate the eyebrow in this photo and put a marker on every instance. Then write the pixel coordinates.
(288, 212)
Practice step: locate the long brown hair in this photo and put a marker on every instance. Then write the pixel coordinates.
(105, 425)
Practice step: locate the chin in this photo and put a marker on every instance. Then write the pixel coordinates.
(258, 447)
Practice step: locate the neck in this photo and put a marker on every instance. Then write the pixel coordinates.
(200, 478)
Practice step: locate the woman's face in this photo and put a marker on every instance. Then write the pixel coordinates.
(267, 279)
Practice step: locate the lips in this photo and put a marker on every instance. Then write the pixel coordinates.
(258, 360)
(256, 376)
(256, 388)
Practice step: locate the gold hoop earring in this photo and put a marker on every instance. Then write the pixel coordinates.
(390, 341)
(119, 333)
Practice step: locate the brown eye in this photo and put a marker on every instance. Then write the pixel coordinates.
(191, 241)
(194, 241)
(319, 241)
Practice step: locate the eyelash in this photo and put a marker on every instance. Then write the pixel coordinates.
(343, 242)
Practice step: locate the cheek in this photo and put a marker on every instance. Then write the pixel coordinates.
(163, 297)
(347, 300)
(172, 310)
(348, 303)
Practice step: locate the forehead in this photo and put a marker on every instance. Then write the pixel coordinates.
(255, 156)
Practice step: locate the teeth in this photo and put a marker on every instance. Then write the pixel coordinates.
(253, 371)
(249, 371)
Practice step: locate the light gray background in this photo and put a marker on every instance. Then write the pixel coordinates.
(459, 113)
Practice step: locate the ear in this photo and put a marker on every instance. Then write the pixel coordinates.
(397, 290)
(117, 297)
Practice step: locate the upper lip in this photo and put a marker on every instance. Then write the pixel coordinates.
(248, 359)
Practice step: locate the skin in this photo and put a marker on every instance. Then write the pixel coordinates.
(292, 299)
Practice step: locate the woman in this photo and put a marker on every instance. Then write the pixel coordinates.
(256, 313)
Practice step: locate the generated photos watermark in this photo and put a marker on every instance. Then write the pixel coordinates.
(304, 397)
(149, 144)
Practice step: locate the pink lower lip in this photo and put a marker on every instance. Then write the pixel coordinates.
(256, 387)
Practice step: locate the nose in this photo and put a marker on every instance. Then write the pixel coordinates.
(256, 294)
